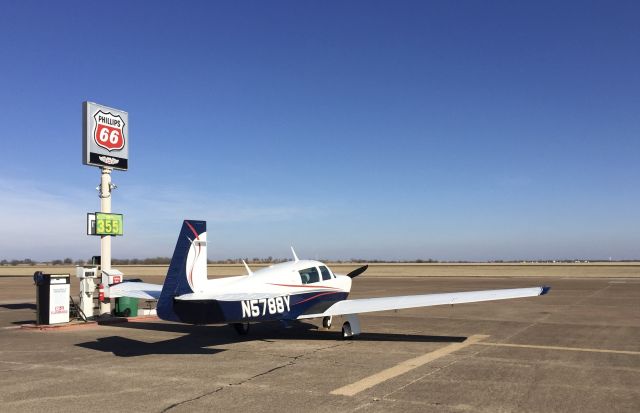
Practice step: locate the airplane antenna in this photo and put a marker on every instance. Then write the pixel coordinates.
(249, 272)
(295, 257)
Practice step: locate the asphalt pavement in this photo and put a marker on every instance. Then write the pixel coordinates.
(576, 349)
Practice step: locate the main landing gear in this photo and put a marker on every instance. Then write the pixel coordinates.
(351, 327)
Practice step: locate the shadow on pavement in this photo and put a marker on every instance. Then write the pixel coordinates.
(19, 306)
(23, 322)
(198, 339)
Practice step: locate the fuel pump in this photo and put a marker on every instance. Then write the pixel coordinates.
(87, 277)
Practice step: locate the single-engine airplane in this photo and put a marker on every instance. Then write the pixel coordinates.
(294, 290)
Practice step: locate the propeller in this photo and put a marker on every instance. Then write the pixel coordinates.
(358, 271)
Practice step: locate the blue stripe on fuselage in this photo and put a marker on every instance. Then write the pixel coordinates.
(285, 307)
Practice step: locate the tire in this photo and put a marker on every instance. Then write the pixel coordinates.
(241, 328)
(346, 331)
(326, 322)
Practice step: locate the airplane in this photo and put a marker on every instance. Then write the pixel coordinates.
(288, 291)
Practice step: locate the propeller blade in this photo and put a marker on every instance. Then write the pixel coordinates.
(356, 272)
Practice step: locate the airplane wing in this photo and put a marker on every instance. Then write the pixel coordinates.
(367, 305)
(136, 290)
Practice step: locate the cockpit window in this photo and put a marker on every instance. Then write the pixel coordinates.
(309, 275)
(326, 275)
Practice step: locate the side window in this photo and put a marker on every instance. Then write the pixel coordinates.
(326, 275)
(309, 275)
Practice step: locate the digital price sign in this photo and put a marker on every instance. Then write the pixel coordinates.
(101, 223)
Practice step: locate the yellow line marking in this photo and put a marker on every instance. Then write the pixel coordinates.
(405, 366)
(592, 350)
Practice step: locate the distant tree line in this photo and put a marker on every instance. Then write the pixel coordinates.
(272, 260)
(26, 261)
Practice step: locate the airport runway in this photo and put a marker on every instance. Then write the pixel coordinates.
(576, 349)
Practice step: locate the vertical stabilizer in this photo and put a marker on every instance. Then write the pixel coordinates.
(188, 269)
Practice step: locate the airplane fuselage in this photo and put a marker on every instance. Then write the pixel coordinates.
(282, 291)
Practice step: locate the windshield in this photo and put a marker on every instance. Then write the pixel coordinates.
(326, 275)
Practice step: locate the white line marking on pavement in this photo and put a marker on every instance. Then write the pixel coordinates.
(405, 366)
(591, 350)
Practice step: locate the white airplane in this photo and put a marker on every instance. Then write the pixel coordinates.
(294, 290)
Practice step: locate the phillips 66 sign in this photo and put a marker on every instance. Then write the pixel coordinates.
(105, 136)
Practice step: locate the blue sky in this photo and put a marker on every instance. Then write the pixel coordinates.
(391, 130)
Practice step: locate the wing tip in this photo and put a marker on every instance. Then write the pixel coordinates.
(545, 290)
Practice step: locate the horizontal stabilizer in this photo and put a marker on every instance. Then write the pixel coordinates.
(136, 290)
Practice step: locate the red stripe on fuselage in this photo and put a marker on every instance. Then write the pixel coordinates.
(315, 296)
(197, 254)
(192, 229)
(306, 286)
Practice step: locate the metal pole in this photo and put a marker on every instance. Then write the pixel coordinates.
(105, 240)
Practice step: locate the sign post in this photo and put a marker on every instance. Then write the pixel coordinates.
(105, 144)
(105, 240)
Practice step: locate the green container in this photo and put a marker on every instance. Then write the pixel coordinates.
(126, 307)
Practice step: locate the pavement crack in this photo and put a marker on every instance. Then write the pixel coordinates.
(264, 373)
(193, 399)
(291, 362)
(344, 343)
(456, 359)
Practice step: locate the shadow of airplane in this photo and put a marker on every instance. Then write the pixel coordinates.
(199, 339)
(19, 306)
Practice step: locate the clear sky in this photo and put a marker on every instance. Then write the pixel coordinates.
(393, 130)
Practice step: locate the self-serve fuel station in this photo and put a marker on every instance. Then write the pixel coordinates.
(105, 144)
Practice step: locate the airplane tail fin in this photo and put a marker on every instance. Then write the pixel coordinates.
(188, 269)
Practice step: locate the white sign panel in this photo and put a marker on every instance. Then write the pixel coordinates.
(59, 302)
(91, 224)
(105, 136)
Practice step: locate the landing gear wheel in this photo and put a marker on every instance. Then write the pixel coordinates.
(241, 328)
(326, 322)
(347, 334)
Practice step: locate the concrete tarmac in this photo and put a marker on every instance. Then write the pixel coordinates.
(576, 349)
